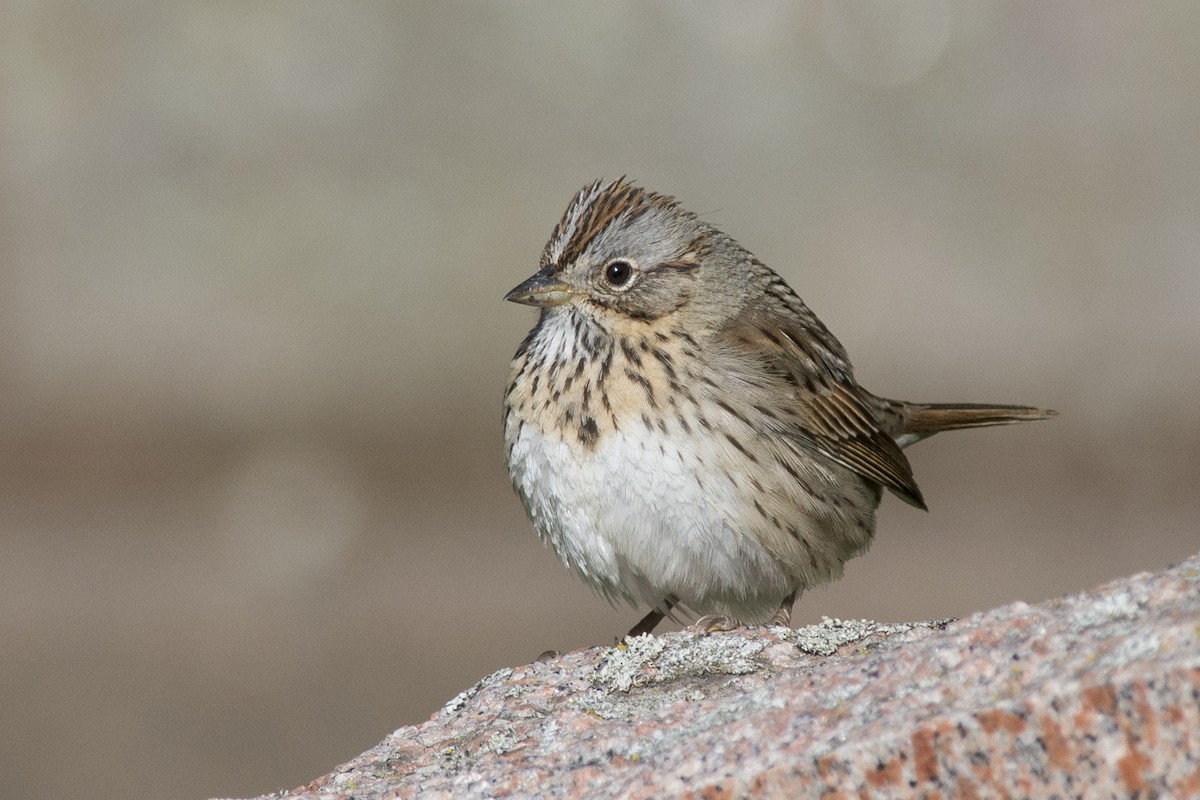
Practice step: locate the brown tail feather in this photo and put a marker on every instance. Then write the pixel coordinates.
(926, 419)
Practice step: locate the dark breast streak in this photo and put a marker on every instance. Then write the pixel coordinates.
(574, 379)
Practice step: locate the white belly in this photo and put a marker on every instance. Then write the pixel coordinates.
(640, 519)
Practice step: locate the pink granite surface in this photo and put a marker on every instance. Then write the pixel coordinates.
(1096, 695)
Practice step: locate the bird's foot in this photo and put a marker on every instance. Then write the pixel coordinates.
(714, 623)
(783, 615)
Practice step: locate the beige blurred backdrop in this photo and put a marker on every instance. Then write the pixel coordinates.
(253, 510)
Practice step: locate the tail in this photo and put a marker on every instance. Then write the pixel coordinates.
(918, 420)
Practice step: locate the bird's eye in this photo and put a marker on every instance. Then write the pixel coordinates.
(618, 273)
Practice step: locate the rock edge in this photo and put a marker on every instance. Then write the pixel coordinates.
(1098, 693)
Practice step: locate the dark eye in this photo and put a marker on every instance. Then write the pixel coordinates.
(618, 273)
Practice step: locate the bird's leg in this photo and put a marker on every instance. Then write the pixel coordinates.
(783, 615)
(651, 620)
(647, 623)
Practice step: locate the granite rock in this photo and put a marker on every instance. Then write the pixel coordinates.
(1093, 695)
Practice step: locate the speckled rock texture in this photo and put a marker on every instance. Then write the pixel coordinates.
(1096, 695)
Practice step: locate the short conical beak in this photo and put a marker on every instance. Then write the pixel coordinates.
(542, 289)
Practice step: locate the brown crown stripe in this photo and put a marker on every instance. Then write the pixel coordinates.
(618, 198)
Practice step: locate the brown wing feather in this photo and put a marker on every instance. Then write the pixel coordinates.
(835, 416)
(849, 432)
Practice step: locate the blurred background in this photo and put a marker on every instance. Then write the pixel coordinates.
(253, 510)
